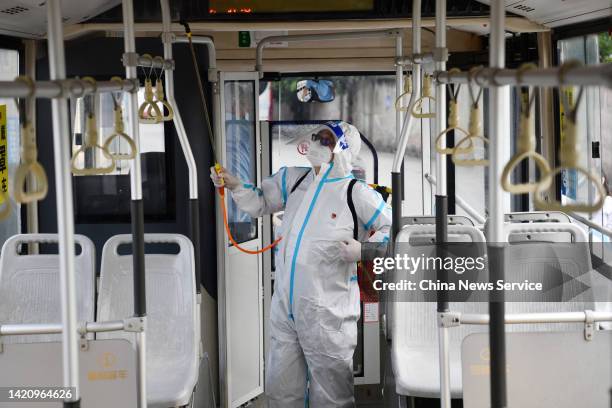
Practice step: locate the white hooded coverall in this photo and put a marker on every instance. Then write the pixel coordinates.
(315, 305)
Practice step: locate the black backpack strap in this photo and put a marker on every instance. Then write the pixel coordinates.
(297, 183)
(351, 204)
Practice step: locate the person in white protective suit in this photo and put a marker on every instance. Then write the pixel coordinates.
(315, 306)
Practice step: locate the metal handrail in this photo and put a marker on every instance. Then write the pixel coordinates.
(591, 224)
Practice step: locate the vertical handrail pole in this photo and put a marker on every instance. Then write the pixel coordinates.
(31, 207)
(408, 120)
(441, 204)
(65, 214)
(399, 83)
(168, 38)
(137, 209)
(498, 135)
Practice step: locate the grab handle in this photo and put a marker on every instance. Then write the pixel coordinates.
(29, 165)
(149, 106)
(469, 162)
(91, 144)
(526, 145)
(569, 157)
(407, 92)
(160, 98)
(417, 109)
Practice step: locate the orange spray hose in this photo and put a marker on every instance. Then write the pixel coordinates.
(229, 233)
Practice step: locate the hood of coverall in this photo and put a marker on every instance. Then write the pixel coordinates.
(347, 147)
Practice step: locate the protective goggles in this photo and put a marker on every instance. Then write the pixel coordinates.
(324, 141)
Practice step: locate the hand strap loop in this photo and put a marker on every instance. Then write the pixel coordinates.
(453, 121)
(569, 155)
(417, 109)
(91, 142)
(119, 131)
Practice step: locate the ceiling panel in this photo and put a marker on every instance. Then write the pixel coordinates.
(28, 18)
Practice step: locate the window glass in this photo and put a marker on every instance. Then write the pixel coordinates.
(594, 125)
(106, 197)
(470, 182)
(9, 143)
(241, 138)
(367, 102)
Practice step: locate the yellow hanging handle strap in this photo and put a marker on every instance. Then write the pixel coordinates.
(119, 131)
(160, 98)
(525, 147)
(453, 122)
(474, 129)
(149, 112)
(159, 94)
(569, 157)
(29, 165)
(417, 110)
(407, 91)
(91, 142)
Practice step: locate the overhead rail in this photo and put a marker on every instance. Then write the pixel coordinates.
(424, 58)
(65, 88)
(132, 59)
(351, 35)
(592, 75)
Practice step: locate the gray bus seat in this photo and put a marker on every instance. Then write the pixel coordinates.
(30, 285)
(414, 329)
(559, 370)
(574, 260)
(430, 219)
(172, 338)
(537, 216)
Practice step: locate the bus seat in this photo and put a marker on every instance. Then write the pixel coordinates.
(414, 329)
(537, 216)
(172, 338)
(572, 256)
(30, 285)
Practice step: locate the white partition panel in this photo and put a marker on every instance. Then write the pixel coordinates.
(240, 289)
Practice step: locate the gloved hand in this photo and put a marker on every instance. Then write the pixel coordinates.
(223, 179)
(350, 251)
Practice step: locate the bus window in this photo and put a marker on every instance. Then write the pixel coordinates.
(594, 126)
(367, 102)
(241, 150)
(108, 195)
(470, 182)
(9, 142)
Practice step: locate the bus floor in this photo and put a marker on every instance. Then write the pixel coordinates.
(370, 396)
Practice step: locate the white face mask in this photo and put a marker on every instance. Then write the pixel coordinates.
(317, 154)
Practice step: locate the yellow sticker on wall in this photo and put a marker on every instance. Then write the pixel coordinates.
(3, 153)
